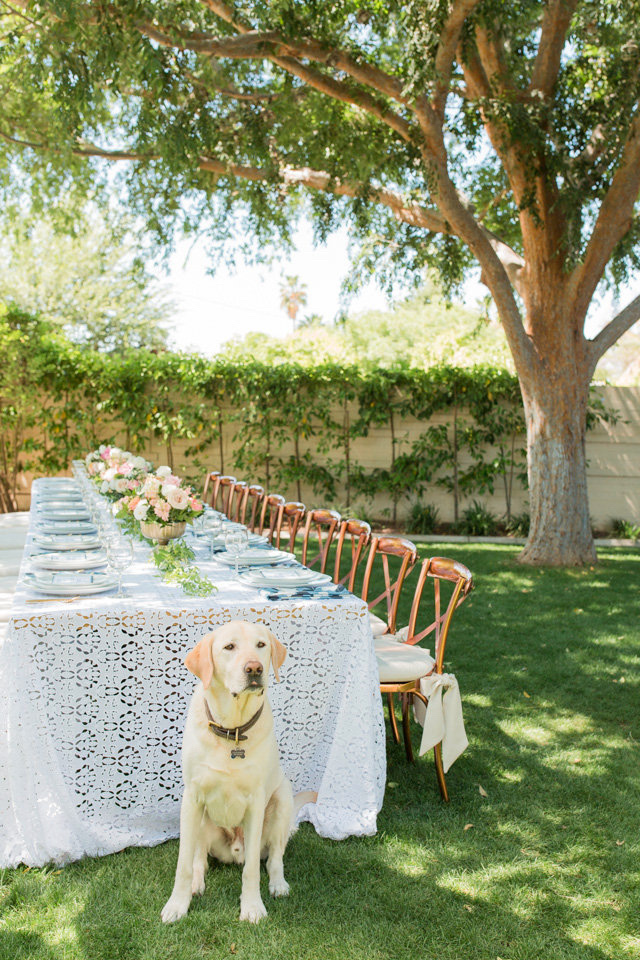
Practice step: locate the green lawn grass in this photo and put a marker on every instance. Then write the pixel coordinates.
(549, 869)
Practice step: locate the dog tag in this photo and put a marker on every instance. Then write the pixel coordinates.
(238, 752)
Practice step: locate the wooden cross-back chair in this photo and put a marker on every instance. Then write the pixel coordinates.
(357, 534)
(211, 484)
(224, 493)
(217, 490)
(402, 663)
(271, 505)
(252, 504)
(382, 548)
(289, 516)
(324, 524)
(236, 504)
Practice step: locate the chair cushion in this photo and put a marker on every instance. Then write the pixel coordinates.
(378, 625)
(401, 662)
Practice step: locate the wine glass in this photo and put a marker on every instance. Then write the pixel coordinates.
(119, 557)
(211, 525)
(236, 542)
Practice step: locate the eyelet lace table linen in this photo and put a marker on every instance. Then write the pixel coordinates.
(94, 695)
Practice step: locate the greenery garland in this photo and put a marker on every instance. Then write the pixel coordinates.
(175, 564)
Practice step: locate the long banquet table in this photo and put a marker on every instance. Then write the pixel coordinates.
(94, 694)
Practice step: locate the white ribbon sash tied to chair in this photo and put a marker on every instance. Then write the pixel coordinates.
(442, 720)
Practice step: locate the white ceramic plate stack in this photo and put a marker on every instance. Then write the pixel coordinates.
(255, 557)
(54, 501)
(77, 541)
(70, 512)
(81, 583)
(256, 540)
(69, 560)
(289, 578)
(65, 527)
(63, 487)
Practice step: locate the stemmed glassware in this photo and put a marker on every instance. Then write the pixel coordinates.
(119, 556)
(211, 525)
(236, 542)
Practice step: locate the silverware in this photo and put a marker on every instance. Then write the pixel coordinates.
(53, 600)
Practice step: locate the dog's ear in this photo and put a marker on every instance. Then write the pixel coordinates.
(278, 653)
(200, 661)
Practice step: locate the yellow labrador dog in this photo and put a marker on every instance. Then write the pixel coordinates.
(237, 803)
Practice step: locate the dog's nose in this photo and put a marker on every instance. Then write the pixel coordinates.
(253, 668)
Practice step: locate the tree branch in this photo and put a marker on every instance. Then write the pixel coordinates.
(410, 212)
(555, 24)
(479, 87)
(363, 72)
(446, 52)
(613, 331)
(18, 13)
(256, 46)
(613, 221)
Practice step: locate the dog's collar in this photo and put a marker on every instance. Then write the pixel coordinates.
(232, 733)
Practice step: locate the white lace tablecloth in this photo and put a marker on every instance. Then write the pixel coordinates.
(93, 699)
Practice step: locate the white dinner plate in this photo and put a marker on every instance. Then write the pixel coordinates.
(62, 498)
(58, 502)
(58, 485)
(64, 513)
(293, 577)
(79, 583)
(69, 560)
(64, 527)
(255, 557)
(68, 542)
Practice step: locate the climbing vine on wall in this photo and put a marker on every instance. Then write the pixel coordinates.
(286, 425)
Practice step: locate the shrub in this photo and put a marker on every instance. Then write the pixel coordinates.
(477, 521)
(518, 525)
(625, 529)
(423, 518)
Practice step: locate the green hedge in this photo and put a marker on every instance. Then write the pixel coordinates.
(58, 401)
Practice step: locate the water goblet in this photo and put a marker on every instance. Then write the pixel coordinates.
(119, 556)
(211, 525)
(236, 542)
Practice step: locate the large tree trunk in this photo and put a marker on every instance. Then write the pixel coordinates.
(555, 403)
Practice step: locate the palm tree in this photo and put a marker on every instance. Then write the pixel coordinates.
(293, 295)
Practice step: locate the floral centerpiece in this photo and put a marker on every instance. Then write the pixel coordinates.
(116, 472)
(161, 504)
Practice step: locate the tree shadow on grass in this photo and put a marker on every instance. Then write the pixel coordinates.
(22, 945)
(347, 901)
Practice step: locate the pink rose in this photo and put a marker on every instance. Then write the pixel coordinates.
(195, 505)
(133, 503)
(161, 509)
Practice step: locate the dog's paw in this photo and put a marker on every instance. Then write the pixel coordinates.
(174, 909)
(279, 888)
(252, 910)
(197, 885)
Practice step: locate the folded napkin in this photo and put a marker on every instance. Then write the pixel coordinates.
(321, 593)
(442, 720)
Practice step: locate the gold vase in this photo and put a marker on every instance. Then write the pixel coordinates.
(162, 532)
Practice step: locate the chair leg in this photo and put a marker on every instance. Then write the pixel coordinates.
(442, 783)
(406, 730)
(392, 718)
(437, 754)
